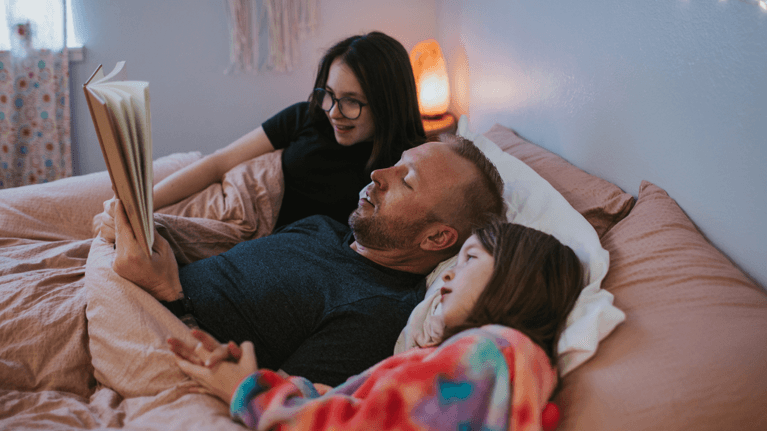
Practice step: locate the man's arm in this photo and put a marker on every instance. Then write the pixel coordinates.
(157, 275)
(211, 168)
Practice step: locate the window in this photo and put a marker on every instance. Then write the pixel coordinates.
(36, 8)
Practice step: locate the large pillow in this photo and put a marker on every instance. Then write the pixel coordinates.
(533, 202)
(601, 202)
(691, 353)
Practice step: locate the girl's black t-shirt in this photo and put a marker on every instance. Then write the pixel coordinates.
(321, 176)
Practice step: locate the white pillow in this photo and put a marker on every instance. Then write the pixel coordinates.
(533, 202)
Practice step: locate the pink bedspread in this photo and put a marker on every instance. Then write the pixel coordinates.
(69, 326)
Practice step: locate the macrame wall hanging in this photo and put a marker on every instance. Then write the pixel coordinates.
(286, 22)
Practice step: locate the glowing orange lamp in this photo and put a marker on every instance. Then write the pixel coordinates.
(432, 86)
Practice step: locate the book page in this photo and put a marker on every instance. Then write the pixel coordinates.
(120, 113)
(117, 108)
(135, 95)
(146, 153)
(133, 193)
(139, 92)
(131, 149)
(117, 74)
(139, 98)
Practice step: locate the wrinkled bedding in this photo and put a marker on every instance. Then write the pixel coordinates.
(82, 348)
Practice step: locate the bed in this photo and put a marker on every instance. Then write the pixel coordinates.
(81, 353)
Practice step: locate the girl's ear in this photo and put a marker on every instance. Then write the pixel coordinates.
(439, 237)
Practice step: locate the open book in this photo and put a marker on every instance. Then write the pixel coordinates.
(120, 112)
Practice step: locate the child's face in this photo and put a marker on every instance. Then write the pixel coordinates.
(343, 83)
(465, 281)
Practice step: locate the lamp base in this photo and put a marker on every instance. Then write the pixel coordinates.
(436, 125)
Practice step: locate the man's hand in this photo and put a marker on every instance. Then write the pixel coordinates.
(104, 222)
(157, 275)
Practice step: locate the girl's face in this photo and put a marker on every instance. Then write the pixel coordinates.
(343, 83)
(465, 281)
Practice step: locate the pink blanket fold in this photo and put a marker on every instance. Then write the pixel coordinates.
(64, 326)
(245, 205)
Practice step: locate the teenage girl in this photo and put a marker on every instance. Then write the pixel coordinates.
(361, 115)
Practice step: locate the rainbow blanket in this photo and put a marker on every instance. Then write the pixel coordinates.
(490, 378)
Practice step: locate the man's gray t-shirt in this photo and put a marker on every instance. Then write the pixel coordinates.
(311, 305)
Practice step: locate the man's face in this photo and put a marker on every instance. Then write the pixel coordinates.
(406, 198)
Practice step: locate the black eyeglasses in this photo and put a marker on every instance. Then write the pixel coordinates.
(350, 108)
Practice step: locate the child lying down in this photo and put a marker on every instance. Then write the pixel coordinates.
(504, 305)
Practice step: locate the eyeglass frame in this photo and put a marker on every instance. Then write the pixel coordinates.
(334, 100)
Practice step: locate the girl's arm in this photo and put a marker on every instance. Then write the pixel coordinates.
(474, 381)
(210, 169)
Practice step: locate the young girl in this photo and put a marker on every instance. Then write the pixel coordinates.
(361, 115)
(507, 275)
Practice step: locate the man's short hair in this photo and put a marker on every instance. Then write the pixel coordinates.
(479, 200)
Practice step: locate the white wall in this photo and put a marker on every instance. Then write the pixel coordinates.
(671, 91)
(182, 48)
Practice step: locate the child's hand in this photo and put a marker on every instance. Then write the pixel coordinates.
(222, 379)
(208, 351)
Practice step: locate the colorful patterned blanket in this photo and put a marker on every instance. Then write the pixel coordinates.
(490, 378)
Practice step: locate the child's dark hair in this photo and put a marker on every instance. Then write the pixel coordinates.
(382, 67)
(535, 283)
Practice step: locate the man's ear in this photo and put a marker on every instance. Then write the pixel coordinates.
(439, 237)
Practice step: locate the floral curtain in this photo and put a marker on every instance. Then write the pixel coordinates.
(35, 140)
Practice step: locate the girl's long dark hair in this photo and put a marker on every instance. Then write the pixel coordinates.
(382, 67)
(535, 283)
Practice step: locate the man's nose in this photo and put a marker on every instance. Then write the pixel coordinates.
(379, 178)
(384, 177)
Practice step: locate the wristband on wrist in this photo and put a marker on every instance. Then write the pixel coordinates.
(180, 307)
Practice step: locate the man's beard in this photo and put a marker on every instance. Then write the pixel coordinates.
(374, 232)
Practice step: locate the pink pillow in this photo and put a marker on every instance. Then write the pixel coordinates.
(691, 352)
(602, 203)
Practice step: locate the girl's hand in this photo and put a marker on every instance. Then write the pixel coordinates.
(222, 379)
(208, 351)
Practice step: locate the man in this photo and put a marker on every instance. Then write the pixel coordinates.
(323, 300)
